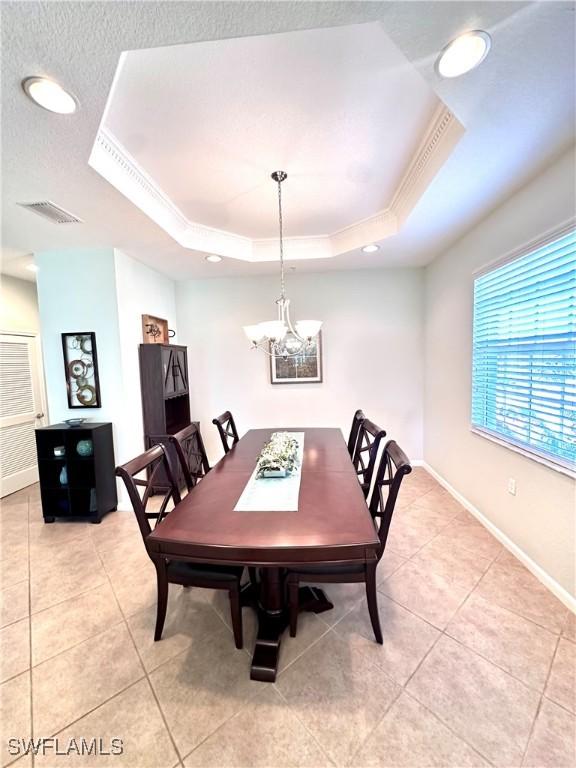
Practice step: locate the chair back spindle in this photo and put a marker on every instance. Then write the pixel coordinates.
(393, 467)
(189, 448)
(355, 428)
(227, 430)
(366, 452)
(149, 462)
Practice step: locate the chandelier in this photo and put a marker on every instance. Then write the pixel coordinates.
(282, 338)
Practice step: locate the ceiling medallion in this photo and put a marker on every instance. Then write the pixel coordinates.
(280, 338)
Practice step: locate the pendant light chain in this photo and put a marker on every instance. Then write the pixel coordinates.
(271, 337)
(282, 281)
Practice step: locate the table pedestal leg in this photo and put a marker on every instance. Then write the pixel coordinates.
(273, 620)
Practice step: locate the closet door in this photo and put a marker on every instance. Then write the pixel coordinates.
(21, 411)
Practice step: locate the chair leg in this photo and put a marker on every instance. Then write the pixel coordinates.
(162, 602)
(236, 614)
(253, 577)
(372, 601)
(293, 587)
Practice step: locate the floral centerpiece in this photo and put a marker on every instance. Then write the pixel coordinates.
(279, 456)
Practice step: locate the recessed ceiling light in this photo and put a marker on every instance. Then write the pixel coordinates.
(32, 267)
(213, 258)
(371, 248)
(463, 54)
(49, 95)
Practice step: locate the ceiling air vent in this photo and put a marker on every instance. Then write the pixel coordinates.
(52, 212)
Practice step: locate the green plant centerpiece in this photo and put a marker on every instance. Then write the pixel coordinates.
(279, 457)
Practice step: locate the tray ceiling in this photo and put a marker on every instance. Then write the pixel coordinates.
(191, 134)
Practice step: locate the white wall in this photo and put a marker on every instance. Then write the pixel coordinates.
(18, 305)
(139, 291)
(107, 292)
(540, 519)
(372, 343)
(76, 292)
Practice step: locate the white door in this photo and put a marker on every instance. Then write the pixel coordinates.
(21, 411)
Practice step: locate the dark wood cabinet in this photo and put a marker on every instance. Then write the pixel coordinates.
(165, 396)
(76, 468)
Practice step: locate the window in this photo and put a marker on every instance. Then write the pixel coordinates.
(524, 352)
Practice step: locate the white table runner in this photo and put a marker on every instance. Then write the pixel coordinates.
(273, 494)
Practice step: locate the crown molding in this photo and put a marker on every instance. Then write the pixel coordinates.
(112, 160)
(444, 132)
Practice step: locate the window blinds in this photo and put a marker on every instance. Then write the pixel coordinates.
(524, 351)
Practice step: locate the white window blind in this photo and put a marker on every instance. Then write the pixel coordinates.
(524, 352)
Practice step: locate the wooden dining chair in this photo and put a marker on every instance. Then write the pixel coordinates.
(353, 438)
(227, 430)
(366, 452)
(393, 466)
(189, 448)
(187, 574)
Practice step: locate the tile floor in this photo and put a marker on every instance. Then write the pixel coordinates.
(477, 666)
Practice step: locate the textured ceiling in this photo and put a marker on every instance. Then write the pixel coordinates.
(517, 108)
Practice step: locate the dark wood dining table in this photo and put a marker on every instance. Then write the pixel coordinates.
(332, 525)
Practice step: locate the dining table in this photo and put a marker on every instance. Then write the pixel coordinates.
(331, 525)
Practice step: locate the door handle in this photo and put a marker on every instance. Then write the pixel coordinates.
(39, 415)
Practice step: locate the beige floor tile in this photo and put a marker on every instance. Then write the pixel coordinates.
(136, 590)
(264, 733)
(310, 629)
(407, 638)
(421, 478)
(482, 704)
(14, 715)
(202, 687)
(409, 494)
(409, 736)
(220, 602)
(14, 520)
(23, 762)
(444, 557)
(14, 545)
(388, 565)
(14, 649)
(35, 513)
(440, 502)
(470, 534)
(427, 594)
(64, 625)
(569, 629)
(553, 741)
(339, 694)
(520, 592)
(561, 686)
(64, 573)
(188, 618)
(517, 645)
(132, 716)
(345, 597)
(18, 497)
(46, 537)
(13, 570)
(126, 557)
(408, 534)
(507, 560)
(113, 528)
(14, 603)
(68, 686)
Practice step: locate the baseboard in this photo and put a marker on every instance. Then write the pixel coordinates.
(557, 589)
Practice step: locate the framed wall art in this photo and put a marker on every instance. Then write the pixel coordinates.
(304, 368)
(155, 330)
(81, 370)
